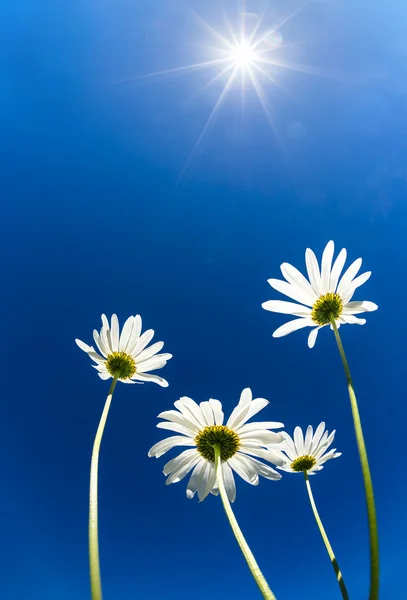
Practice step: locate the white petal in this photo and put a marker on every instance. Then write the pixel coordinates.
(258, 425)
(317, 437)
(337, 270)
(299, 441)
(104, 376)
(293, 276)
(207, 413)
(229, 482)
(351, 320)
(176, 417)
(183, 470)
(292, 291)
(103, 334)
(152, 364)
(286, 308)
(125, 334)
(326, 265)
(149, 352)
(260, 467)
(244, 469)
(217, 411)
(270, 455)
(292, 326)
(114, 332)
(175, 463)
(263, 437)
(347, 277)
(354, 284)
(195, 478)
(191, 410)
(169, 426)
(84, 346)
(241, 410)
(308, 440)
(134, 335)
(142, 342)
(150, 377)
(312, 338)
(207, 482)
(163, 446)
(354, 308)
(237, 419)
(99, 343)
(313, 271)
(289, 446)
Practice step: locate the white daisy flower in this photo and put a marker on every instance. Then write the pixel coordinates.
(241, 444)
(306, 454)
(325, 295)
(126, 355)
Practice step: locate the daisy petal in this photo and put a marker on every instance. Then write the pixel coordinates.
(312, 338)
(313, 271)
(217, 411)
(286, 308)
(195, 479)
(294, 292)
(125, 334)
(293, 276)
(114, 332)
(162, 447)
(351, 320)
(353, 308)
(347, 277)
(299, 441)
(337, 270)
(149, 352)
(292, 326)
(229, 482)
(134, 335)
(326, 265)
(84, 346)
(150, 377)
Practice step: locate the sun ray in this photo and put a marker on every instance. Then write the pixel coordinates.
(196, 66)
(208, 123)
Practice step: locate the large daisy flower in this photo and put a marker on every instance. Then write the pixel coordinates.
(326, 295)
(306, 453)
(241, 444)
(126, 355)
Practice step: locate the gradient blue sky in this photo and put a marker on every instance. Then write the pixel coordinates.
(95, 218)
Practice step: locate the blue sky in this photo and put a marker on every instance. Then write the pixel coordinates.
(96, 218)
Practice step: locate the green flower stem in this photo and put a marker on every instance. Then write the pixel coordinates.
(95, 583)
(328, 546)
(367, 479)
(247, 553)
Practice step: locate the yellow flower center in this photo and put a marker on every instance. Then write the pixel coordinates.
(303, 463)
(217, 435)
(327, 306)
(120, 365)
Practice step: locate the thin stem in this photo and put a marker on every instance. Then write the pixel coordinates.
(367, 479)
(95, 582)
(247, 553)
(328, 546)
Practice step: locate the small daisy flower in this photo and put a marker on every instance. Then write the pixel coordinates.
(126, 355)
(307, 454)
(241, 444)
(326, 295)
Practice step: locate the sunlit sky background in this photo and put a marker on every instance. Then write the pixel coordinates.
(110, 205)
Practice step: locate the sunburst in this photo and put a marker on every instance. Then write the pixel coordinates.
(249, 53)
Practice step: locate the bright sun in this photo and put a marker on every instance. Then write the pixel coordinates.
(246, 54)
(243, 54)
